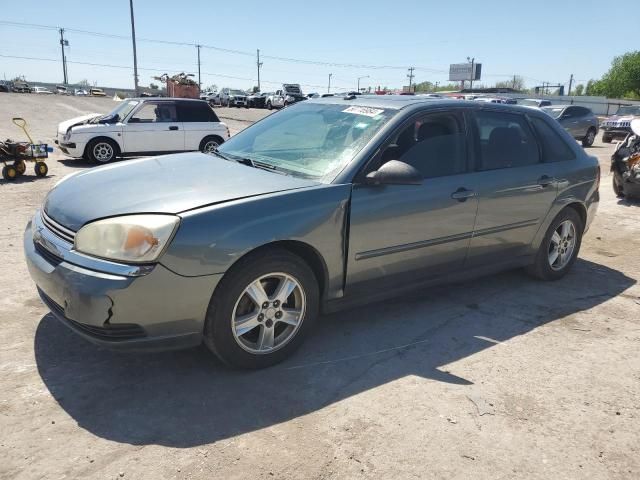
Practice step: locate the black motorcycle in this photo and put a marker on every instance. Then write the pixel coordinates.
(625, 164)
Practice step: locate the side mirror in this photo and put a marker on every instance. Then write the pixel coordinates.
(394, 172)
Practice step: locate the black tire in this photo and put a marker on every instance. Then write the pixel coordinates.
(541, 268)
(41, 169)
(21, 167)
(93, 151)
(606, 138)
(9, 173)
(206, 141)
(589, 138)
(618, 189)
(219, 335)
(269, 106)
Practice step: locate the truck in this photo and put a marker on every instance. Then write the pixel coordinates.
(290, 93)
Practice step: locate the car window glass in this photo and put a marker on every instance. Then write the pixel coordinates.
(155, 113)
(308, 130)
(554, 148)
(433, 144)
(196, 112)
(505, 141)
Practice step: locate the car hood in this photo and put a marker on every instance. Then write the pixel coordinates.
(165, 184)
(67, 124)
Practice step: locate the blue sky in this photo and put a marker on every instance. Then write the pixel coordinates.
(541, 41)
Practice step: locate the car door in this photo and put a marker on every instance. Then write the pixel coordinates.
(571, 121)
(278, 100)
(515, 189)
(153, 127)
(399, 233)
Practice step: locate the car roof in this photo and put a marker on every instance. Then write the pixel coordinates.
(164, 99)
(399, 102)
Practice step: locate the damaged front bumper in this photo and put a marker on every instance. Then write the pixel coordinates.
(114, 305)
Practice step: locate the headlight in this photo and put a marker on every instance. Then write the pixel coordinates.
(132, 238)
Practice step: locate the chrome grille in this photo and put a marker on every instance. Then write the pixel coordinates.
(57, 229)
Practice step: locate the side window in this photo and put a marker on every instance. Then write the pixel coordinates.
(554, 148)
(581, 111)
(433, 144)
(155, 113)
(196, 112)
(505, 141)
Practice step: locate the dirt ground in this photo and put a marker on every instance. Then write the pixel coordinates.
(499, 378)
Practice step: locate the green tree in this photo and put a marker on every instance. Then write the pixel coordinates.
(623, 78)
(579, 89)
(153, 86)
(424, 87)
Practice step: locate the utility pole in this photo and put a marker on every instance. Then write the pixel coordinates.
(514, 82)
(329, 87)
(410, 76)
(199, 81)
(64, 43)
(135, 56)
(259, 64)
(570, 84)
(471, 75)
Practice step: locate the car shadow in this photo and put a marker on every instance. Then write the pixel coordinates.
(188, 398)
(629, 202)
(76, 163)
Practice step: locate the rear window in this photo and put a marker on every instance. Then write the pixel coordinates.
(554, 148)
(505, 141)
(196, 112)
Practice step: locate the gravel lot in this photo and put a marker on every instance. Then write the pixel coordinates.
(503, 377)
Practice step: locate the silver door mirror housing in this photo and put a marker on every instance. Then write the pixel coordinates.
(394, 172)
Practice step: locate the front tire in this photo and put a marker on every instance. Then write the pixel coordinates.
(618, 189)
(41, 169)
(559, 248)
(101, 150)
(269, 106)
(262, 310)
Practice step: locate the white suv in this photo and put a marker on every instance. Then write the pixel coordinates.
(142, 126)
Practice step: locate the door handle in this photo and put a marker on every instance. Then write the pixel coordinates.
(546, 180)
(462, 194)
(173, 127)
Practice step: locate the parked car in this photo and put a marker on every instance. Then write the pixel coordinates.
(289, 94)
(580, 122)
(258, 99)
(330, 203)
(80, 92)
(143, 126)
(618, 125)
(41, 91)
(62, 90)
(6, 86)
(230, 97)
(534, 102)
(97, 92)
(319, 95)
(21, 87)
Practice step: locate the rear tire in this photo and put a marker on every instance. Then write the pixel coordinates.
(210, 143)
(268, 337)
(617, 188)
(550, 262)
(589, 138)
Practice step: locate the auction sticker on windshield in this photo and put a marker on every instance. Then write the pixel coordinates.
(366, 111)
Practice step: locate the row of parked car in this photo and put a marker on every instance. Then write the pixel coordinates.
(229, 97)
(24, 87)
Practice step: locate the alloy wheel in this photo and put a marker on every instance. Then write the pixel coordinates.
(103, 152)
(562, 245)
(268, 313)
(210, 146)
